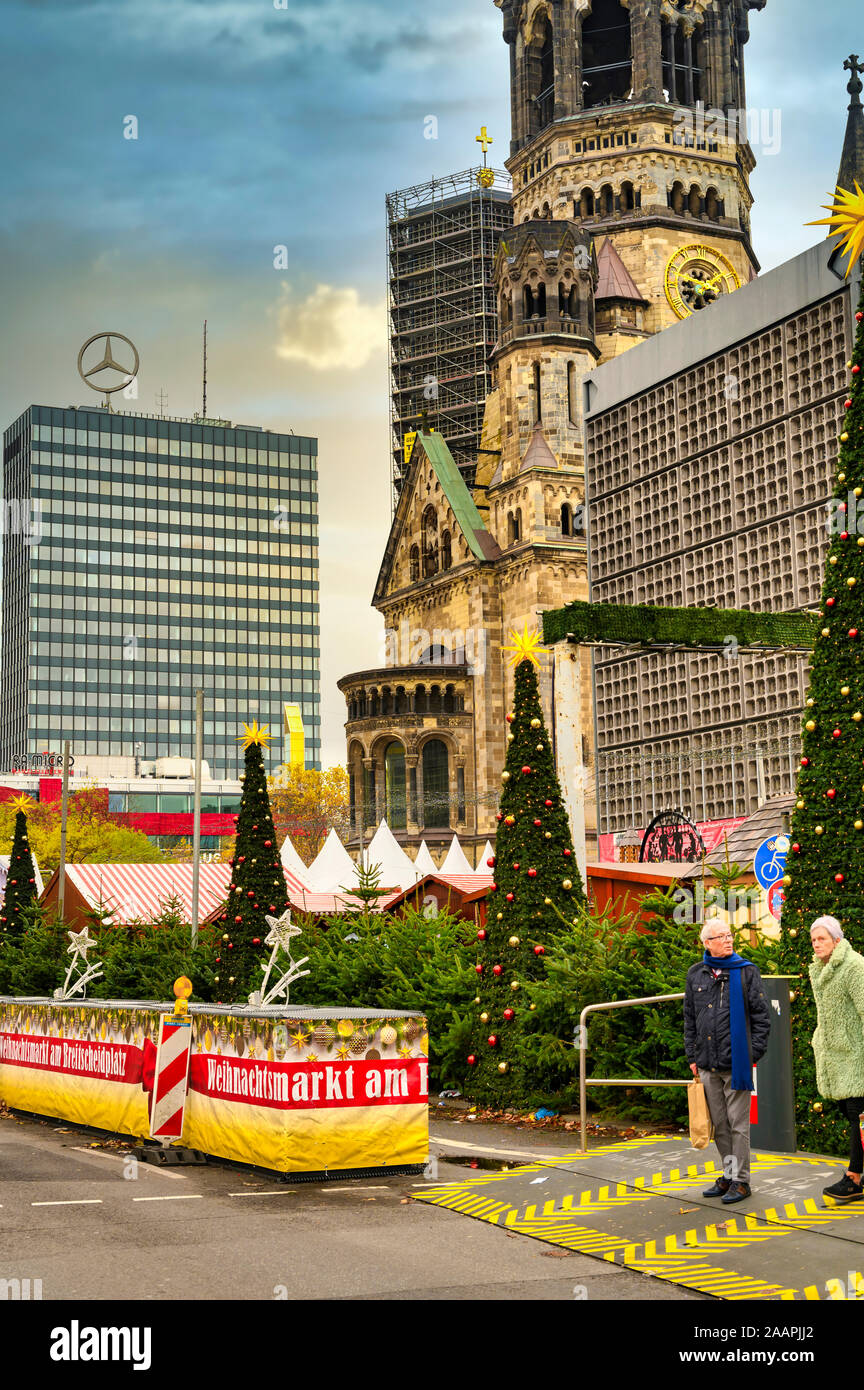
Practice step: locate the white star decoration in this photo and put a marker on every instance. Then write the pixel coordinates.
(279, 937)
(80, 943)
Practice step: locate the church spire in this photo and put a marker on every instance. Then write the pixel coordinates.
(852, 162)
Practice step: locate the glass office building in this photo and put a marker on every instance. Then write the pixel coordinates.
(145, 557)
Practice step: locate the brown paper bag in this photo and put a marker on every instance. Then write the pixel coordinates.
(701, 1128)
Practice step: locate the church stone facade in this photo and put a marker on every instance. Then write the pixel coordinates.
(630, 213)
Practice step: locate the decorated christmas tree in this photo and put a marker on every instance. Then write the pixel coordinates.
(257, 882)
(825, 865)
(535, 872)
(21, 880)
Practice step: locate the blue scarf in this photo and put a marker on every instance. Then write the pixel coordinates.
(742, 1070)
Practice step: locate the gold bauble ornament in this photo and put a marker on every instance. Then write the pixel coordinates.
(819, 829)
(857, 716)
(566, 883)
(547, 834)
(514, 984)
(510, 738)
(832, 560)
(787, 880)
(793, 995)
(811, 701)
(540, 747)
(505, 776)
(477, 1000)
(844, 690)
(851, 583)
(817, 1107)
(861, 540)
(826, 632)
(793, 931)
(535, 723)
(499, 916)
(800, 805)
(484, 1018)
(547, 902)
(858, 492)
(514, 941)
(810, 725)
(502, 1066)
(859, 825)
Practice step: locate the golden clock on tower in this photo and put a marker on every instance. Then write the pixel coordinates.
(696, 275)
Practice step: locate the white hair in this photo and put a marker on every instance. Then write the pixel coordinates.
(711, 922)
(831, 925)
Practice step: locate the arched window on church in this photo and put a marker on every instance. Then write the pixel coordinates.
(567, 305)
(511, 528)
(395, 799)
(676, 197)
(606, 207)
(414, 563)
(566, 519)
(446, 560)
(628, 196)
(585, 206)
(430, 542)
(517, 524)
(712, 204)
(436, 784)
(607, 60)
(536, 394)
(694, 201)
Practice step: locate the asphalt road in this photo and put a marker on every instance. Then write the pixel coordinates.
(92, 1226)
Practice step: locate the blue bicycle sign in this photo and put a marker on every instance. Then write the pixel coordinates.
(769, 864)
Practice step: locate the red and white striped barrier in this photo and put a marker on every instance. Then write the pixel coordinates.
(171, 1078)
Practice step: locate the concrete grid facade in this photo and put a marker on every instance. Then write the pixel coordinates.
(710, 456)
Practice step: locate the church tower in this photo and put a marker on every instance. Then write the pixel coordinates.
(629, 118)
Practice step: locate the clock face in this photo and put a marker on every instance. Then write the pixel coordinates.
(696, 276)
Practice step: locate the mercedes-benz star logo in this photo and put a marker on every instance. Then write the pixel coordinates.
(108, 363)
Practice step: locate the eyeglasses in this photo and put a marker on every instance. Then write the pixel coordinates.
(727, 936)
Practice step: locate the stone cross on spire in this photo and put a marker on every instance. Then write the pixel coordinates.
(852, 162)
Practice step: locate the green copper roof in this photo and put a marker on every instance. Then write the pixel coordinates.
(457, 494)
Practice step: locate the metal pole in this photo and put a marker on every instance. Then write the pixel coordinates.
(196, 812)
(596, 1081)
(64, 808)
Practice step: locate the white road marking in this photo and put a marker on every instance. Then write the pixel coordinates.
(121, 1158)
(277, 1192)
(74, 1202)
(176, 1197)
(355, 1189)
(521, 1153)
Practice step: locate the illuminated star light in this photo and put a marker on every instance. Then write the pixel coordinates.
(847, 221)
(525, 646)
(21, 803)
(254, 734)
(80, 943)
(281, 930)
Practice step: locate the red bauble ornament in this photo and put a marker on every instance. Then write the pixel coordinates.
(538, 822)
(835, 733)
(796, 849)
(838, 878)
(509, 897)
(844, 535)
(471, 1059)
(567, 853)
(218, 960)
(547, 803)
(853, 632)
(856, 369)
(509, 718)
(256, 941)
(494, 888)
(250, 894)
(241, 858)
(479, 969)
(532, 873)
(831, 793)
(496, 969)
(492, 1039)
(859, 316)
(254, 827)
(235, 819)
(516, 867)
(268, 844)
(481, 935)
(500, 815)
(509, 820)
(526, 771)
(272, 907)
(539, 950)
(805, 762)
(238, 918)
(830, 602)
(847, 405)
(491, 862)
(509, 1013)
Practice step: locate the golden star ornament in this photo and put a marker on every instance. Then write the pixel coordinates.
(524, 646)
(847, 221)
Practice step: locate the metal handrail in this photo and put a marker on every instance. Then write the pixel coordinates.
(585, 1082)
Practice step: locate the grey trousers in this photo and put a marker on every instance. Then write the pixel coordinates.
(730, 1115)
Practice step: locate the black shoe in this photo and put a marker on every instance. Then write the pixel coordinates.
(845, 1190)
(738, 1192)
(720, 1186)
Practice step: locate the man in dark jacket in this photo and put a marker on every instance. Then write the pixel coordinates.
(726, 1027)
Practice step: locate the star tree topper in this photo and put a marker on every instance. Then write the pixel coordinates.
(21, 803)
(524, 646)
(80, 944)
(279, 937)
(255, 734)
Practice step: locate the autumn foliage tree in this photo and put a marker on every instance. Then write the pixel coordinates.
(93, 834)
(307, 804)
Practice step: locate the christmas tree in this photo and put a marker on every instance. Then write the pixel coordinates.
(257, 882)
(825, 865)
(535, 873)
(21, 879)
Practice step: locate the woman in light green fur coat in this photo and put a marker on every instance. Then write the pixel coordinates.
(837, 977)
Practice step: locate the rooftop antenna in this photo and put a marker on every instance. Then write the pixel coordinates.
(204, 401)
(161, 400)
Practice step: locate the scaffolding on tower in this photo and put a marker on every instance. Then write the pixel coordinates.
(443, 319)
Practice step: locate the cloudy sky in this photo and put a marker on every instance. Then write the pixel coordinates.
(264, 124)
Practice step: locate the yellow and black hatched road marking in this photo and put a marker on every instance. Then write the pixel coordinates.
(693, 1258)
